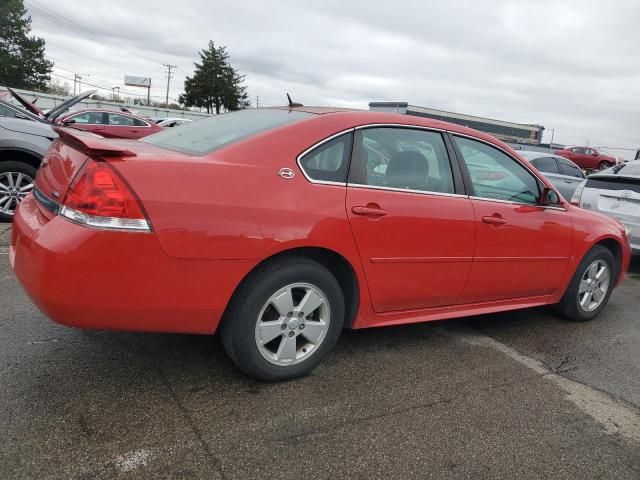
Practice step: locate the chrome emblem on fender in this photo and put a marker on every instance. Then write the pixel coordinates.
(286, 173)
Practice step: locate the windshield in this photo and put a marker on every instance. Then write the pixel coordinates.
(208, 135)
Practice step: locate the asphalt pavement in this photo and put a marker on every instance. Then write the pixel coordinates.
(516, 395)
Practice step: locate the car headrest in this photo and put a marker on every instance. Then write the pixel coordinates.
(408, 169)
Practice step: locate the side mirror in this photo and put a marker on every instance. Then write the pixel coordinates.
(550, 198)
(65, 123)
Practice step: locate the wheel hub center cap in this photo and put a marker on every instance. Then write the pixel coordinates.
(293, 323)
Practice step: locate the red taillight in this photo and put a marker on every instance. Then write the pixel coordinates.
(99, 197)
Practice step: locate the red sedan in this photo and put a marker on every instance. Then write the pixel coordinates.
(281, 227)
(588, 158)
(111, 124)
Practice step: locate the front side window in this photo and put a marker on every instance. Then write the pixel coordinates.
(497, 176)
(404, 158)
(546, 164)
(329, 162)
(88, 118)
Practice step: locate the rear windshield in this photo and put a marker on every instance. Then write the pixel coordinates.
(205, 136)
(603, 183)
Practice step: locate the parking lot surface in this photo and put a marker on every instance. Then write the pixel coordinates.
(516, 395)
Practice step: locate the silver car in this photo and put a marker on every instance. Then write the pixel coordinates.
(565, 175)
(615, 192)
(25, 135)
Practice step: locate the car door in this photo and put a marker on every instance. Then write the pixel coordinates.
(89, 121)
(571, 177)
(413, 225)
(522, 248)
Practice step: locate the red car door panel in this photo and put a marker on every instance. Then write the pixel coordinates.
(523, 255)
(414, 235)
(418, 253)
(522, 248)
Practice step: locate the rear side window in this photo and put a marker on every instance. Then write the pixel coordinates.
(405, 159)
(210, 134)
(546, 164)
(569, 169)
(330, 161)
(124, 120)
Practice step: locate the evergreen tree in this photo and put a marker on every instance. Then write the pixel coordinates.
(22, 60)
(215, 84)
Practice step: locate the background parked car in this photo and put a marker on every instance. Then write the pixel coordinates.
(615, 192)
(24, 138)
(588, 158)
(565, 175)
(172, 122)
(108, 123)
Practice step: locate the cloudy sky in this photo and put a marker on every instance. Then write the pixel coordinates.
(572, 66)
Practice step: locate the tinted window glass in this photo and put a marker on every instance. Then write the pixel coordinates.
(578, 150)
(329, 161)
(495, 175)
(546, 164)
(613, 184)
(405, 158)
(219, 131)
(567, 168)
(117, 119)
(6, 111)
(88, 118)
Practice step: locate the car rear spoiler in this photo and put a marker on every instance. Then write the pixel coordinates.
(90, 144)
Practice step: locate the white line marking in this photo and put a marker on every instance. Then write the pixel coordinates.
(133, 460)
(614, 416)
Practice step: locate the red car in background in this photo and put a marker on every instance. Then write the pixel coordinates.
(280, 227)
(110, 123)
(588, 158)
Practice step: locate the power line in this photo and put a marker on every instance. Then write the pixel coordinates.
(54, 17)
(109, 89)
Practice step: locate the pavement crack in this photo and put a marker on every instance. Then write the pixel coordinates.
(215, 462)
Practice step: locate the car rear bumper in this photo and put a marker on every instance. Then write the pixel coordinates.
(98, 279)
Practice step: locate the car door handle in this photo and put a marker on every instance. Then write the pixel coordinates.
(369, 211)
(568, 181)
(494, 220)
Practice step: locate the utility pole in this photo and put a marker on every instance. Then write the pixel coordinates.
(553, 131)
(77, 80)
(257, 101)
(169, 67)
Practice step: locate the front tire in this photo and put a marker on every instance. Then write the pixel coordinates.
(284, 320)
(590, 287)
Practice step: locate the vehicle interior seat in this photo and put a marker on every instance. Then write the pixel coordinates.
(407, 169)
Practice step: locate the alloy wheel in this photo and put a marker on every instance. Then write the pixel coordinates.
(14, 186)
(292, 324)
(594, 286)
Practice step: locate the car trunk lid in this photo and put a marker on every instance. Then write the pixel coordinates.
(66, 156)
(617, 197)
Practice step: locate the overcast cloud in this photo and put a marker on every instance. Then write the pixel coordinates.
(569, 65)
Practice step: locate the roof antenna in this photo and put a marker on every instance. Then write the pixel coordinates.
(293, 104)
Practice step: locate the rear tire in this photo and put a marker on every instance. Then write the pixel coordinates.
(591, 286)
(604, 165)
(284, 320)
(10, 194)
